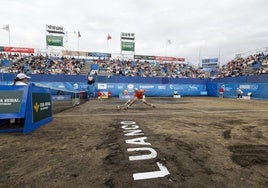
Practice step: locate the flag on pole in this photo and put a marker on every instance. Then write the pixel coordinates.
(6, 27)
(109, 37)
(78, 34)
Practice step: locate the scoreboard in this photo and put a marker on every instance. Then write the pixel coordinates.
(210, 63)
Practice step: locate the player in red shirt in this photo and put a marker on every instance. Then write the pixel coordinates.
(221, 91)
(138, 95)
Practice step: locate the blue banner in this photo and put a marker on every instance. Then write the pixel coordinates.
(98, 54)
(156, 90)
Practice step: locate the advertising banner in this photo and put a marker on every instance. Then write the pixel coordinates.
(74, 53)
(144, 57)
(127, 46)
(10, 101)
(42, 106)
(54, 40)
(99, 54)
(210, 63)
(19, 50)
(13, 101)
(155, 90)
(164, 58)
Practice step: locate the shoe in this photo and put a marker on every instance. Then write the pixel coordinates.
(153, 106)
(118, 107)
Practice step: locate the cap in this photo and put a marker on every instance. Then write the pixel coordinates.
(135, 89)
(22, 76)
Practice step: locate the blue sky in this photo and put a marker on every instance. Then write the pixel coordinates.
(196, 28)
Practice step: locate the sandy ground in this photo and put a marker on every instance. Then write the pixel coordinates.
(187, 142)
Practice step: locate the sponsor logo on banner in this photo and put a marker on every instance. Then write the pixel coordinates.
(127, 46)
(42, 106)
(102, 86)
(120, 87)
(147, 87)
(10, 101)
(18, 50)
(254, 87)
(162, 87)
(54, 40)
(244, 87)
(130, 86)
(228, 88)
(193, 87)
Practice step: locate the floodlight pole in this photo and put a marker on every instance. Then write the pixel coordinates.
(78, 46)
(9, 38)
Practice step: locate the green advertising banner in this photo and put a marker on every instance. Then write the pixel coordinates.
(42, 106)
(127, 46)
(53, 40)
(10, 101)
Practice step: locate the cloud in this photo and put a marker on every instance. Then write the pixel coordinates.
(197, 28)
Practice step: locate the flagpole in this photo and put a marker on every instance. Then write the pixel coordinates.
(9, 37)
(78, 36)
(199, 60)
(166, 49)
(7, 28)
(219, 60)
(78, 46)
(168, 42)
(107, 46)
(108, 38)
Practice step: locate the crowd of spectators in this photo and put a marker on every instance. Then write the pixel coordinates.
(145, 69)
(251, 65)
(39, 64)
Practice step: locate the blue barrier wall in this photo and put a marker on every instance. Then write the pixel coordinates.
(154, 86)
(256, 85)
(32, 104)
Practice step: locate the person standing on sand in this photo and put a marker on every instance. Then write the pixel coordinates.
(239, 93)
(221, 92)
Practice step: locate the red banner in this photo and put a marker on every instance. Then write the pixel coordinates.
(163, 58)
(19, 50)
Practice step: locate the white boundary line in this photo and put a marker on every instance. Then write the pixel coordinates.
(159, 113)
